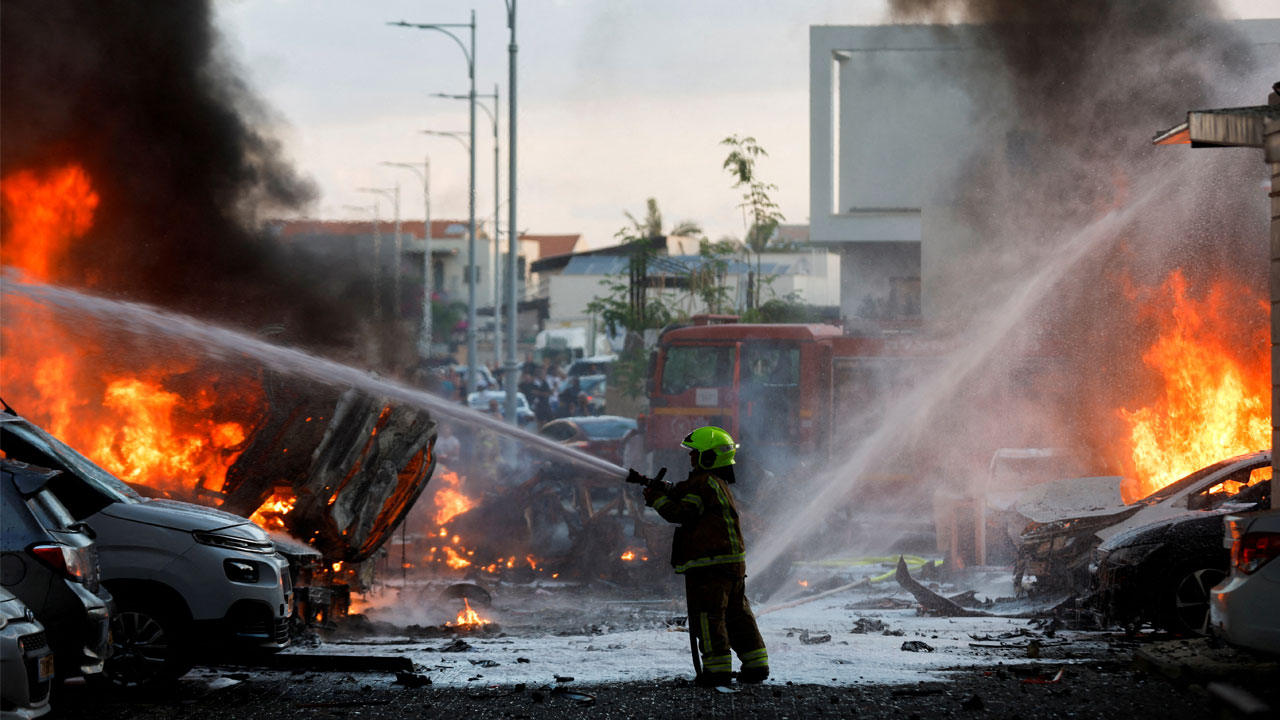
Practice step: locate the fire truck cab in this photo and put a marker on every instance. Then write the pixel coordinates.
(778, 389)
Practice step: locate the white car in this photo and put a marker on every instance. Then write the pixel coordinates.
(1243, 609)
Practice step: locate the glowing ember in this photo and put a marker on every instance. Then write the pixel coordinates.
(803, 583)
(468, 618)
(1214, 402)
(449, 498)
(533, 565)
(337, 567)
(628, 556)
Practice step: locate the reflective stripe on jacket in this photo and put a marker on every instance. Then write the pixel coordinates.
(709, 532)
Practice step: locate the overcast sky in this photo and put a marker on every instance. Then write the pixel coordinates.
(619, 100)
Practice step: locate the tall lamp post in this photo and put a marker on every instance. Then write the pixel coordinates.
(513, 235)
(392, 194)
(424, 337)
(497, 205)
(468, 50)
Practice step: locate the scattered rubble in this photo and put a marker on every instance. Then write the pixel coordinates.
(867, 625)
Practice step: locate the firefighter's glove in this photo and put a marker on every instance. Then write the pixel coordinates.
(651, 494)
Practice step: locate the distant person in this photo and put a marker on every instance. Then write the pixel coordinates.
(569, 397)
(495, 408)
(708, 549)
(541, 398)
(447, 447)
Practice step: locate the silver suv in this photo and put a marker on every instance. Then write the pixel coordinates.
(188, 581)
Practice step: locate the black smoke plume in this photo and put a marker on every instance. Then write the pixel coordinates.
(142, 95)
(1070, 93)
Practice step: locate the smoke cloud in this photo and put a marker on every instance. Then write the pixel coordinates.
(143, 96)
(1066, 223)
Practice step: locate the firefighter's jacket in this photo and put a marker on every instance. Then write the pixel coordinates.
(709, 532)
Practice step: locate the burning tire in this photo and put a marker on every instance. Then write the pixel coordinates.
(148, 646)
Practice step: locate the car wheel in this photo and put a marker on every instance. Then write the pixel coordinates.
(148, 647)
(1188, 600)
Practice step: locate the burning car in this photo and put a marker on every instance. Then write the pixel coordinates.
(1163, 572)
(1071, 517)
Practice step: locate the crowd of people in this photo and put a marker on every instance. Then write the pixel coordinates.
(550, 391)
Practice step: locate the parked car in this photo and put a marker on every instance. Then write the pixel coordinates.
(188, 580)
(593, 365)
(26, 661)
(1163, 572)
(1071, 517)
(594, 387)
(48, 561)
(481, 399)
(604, 436)
(1243, 609)
(484, 378)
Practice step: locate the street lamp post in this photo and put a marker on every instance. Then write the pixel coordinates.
(513, 234)
(392, 194)
(424, 338)
(497, 205)
(377, 251)
(468, 50)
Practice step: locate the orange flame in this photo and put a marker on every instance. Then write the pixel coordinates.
(1215, 399)
(467, 617)
(628, 556)
(45, 213)
(145, 417)
(270, 514)
(454, 560)
(449, 498)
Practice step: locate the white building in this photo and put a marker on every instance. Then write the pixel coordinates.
(888, 124)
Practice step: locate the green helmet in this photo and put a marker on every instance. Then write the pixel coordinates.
(714, 445)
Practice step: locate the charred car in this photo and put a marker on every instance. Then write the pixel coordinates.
(1072, 517)
(1163, 573)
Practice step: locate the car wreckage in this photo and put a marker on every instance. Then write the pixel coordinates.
(1071, 518)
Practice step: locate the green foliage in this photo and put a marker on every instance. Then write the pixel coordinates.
(756, 202)
(444, 316)
(786, 309)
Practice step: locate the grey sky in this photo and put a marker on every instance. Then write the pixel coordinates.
(620, 100)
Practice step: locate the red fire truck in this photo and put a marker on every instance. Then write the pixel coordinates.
(782, 391)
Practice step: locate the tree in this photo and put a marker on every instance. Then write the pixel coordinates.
(761, 212)
(626, 305)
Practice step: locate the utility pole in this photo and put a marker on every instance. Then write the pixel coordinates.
(513, 235)
(424, 334)
(496, 274)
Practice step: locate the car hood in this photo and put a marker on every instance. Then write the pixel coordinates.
(1176, 527)
(177, 515)
(1068, 498)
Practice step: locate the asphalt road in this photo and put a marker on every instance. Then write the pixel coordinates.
(1109, 689)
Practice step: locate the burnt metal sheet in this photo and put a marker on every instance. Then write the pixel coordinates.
(355, 463)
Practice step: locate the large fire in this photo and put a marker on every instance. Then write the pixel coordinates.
(154, 419)
(1215, 381)
(449, 498)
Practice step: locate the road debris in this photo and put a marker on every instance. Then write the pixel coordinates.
(917, 646)
(929, 600)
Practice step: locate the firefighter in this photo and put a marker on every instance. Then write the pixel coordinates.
(708, 550)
